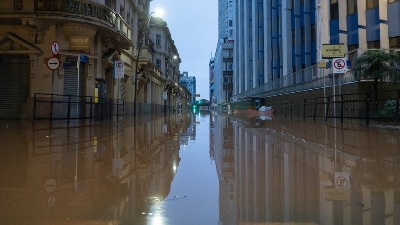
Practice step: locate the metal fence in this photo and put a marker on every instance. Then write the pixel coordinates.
(345, 106)
(73, 107)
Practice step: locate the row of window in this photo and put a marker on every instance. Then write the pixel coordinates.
(352, 6)
(303, 35)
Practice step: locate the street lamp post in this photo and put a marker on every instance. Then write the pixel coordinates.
(137, 63)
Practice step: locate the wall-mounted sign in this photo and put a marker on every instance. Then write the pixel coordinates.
(79, 43)
(333, 51)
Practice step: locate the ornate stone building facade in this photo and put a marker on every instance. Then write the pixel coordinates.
(57, 59)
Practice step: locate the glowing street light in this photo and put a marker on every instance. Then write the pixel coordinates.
(159, 12)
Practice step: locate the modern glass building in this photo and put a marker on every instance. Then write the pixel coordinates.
(278, 42)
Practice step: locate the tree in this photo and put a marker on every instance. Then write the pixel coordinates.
(377, 65)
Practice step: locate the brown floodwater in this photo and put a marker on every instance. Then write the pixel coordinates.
(199, 169)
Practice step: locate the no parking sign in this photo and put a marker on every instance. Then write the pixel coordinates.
(342, 180)
(339, 65)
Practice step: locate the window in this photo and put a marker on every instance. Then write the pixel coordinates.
(18, 4)
(351, 7)
(122, 11)
(394, 42)
(372, 4)
(230, 23)
(374, 44)
(293, 37)
(334, 9)
(158, 63)
(128, 18)
(303, 36)
(230, 66)
(158, 39)
(313, 33)
(352, 47)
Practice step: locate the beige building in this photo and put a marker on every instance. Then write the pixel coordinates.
(166, 59)
(57, 59)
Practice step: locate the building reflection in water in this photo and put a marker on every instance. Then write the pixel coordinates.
(290, 172)
(100, 174)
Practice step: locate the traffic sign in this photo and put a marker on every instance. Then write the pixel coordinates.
(55, 49)
(53, 63)
(50, 185)
(118, 165)
(339, 65)
(83, 58)
(51, 200)
(342, 180)
(119, 69)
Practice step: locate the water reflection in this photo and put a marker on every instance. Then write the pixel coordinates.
(291, 172)
(269, 172)
(101, 174)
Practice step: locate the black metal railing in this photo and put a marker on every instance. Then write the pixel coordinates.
(385, 107)
(85, 10)
(73, 107)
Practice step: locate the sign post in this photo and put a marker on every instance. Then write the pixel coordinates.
(339, 66)
(118, 73)
(336, 52)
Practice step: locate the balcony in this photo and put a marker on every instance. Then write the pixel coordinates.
(145, 57)
(107, 21)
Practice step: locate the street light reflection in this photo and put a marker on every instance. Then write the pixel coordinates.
(157, 220)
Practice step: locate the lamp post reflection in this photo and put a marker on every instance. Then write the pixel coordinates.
(141, 39)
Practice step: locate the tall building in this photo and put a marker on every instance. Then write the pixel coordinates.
(223, 59)
(211, 84)
(163, 61)
(190, 83)
(278, 43)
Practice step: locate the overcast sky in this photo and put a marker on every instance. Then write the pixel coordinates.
(194, 28)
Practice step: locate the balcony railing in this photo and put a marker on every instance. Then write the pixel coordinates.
(85, 10)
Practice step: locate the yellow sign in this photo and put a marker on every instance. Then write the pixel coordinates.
(322, 64)
(79, 43)
(96, 95)
(333, 51)
(334, 194)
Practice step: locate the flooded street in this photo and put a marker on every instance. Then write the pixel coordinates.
(199, 169)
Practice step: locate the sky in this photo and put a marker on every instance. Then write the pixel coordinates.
(194, 29)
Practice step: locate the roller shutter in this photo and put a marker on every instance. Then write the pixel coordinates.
(74, 88)
(14, 86)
